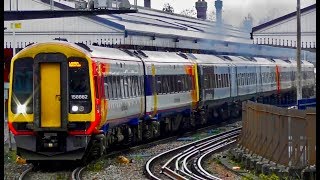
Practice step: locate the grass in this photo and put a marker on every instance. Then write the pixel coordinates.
(270, 177)
(217, 160)
(62, 176)
(248, 177)
(10, 156)
(98, 166)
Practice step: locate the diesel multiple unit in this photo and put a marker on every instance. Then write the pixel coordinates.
(68, 100)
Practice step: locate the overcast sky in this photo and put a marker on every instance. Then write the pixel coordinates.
(234, 11)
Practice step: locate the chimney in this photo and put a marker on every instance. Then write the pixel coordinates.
(218, 5)
(201, 6)
(147, 3)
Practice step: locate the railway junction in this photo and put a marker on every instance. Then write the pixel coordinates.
(132, 92)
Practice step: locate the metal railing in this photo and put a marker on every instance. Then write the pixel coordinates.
(284, 136)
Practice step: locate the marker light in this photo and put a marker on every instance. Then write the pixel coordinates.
(75, 108)
(81, 108)
(21, 109)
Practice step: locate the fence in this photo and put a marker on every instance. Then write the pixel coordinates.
(284, 136)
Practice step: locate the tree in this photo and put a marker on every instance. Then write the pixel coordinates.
(167, 8)
(189, 13)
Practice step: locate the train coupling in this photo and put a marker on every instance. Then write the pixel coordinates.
(50, 140)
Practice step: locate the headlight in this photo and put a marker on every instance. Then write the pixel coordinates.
(21, 109)
(75, 108)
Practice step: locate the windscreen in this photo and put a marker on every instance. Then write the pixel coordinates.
(22, 86)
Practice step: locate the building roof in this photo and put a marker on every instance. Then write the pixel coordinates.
(287, 16)
(150, 22)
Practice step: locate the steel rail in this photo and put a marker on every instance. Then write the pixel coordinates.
(198, 165)
(24, 173)
(215, 146)
(167, 171)
(77, 173)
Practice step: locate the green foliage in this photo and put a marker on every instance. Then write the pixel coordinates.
(248, 177)
(217, 160)
(270, 177)
(11, 156)
(98, 166)
(62, 176)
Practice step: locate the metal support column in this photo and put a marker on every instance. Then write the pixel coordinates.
(299, 88)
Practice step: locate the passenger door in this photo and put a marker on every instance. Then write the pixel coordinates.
(50, 94)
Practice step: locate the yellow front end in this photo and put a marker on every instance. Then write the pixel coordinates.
(47, 111)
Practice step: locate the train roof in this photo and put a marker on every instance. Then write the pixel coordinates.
(266, 61)
(112, 53)
(206, 59)
(163, 57)
(241, 60)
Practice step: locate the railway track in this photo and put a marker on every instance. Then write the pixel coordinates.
(77, 172)
(74, 175)
(185, 162)
(24, 173)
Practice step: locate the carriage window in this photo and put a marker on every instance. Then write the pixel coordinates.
(216, 80)
(106, 87)
(136, 85)
(175, 84)
(227, 78)
(130, 86)
(189, 80)
(205, 81)
(164, 88)
(158, 84)
(121, 87)
(118, 87)
(125, 84)
(224, 80)
(243, 79)
(140, 87)
(212, 81)
(114, 87)
(180, 83)
(109, 81)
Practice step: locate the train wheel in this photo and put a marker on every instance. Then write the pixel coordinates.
(203, 117)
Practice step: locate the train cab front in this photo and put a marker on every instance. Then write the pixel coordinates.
(51, 107)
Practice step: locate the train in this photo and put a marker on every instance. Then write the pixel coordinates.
(71, 101)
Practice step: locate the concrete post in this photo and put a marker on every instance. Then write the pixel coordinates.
(299, 88)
